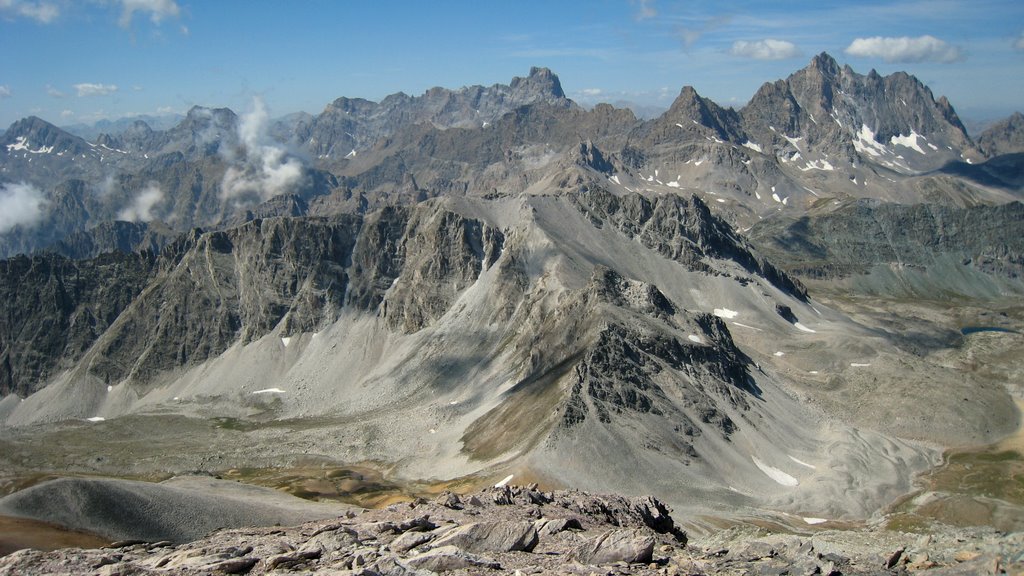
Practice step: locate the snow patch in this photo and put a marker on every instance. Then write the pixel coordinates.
(673, 184)
(725, 313)
(775, 474)
(351, 154)
(745, 326)
(818, 165)
(909, 141)
(615, 179)
(813, 521)
(695, 338)
(504, 482)
(269, 391)
(859, 365)
(96, 419)
(803, 328)
(752, 146)
(722, 200)
(776, 196)
(109, 388)
(285, 340)
(802, 463)
(780, 354)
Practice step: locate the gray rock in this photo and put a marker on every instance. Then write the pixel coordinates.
(491, 537)
(626, 545)
(447, 558)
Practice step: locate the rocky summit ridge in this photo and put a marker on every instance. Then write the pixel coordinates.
(522, 530)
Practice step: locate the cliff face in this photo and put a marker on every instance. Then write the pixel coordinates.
(939, 242)
(54, 309)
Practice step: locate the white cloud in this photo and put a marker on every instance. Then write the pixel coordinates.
(645, 9)
(66, 114)
(141, 208)
(90, 89)
(20, 204)
(157, 10)
(767, 49)
(5, 92)
(54, 92)
(905, 49)
(42, 12)
(1019, 43)
(264, 169)
(591, 92)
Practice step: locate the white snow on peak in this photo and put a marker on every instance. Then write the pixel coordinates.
(794, 141)
(96, 419)
(695, 338)
(752, 146)
(803, 328)
(673, 184)
(286, 340)
(757, 195)
(776, 196)
(678, 124)
(615, 178)
(909, 141)
(813, 521)
(269, 391)
(773, 188)
(722, 200)
(775, 474)
(504, 481)
(725, 313)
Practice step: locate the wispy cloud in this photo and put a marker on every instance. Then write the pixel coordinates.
(42, 12)
(158, 10)
(141, 207)
(53, 92)
(5, 92)
(691, 34)
(20, 204)
(90, 89)
(905, 49)
(65, 114)
(767, 49)
(265, 169)
(645, 9)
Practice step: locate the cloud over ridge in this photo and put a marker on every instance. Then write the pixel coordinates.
(767, 49)
(904, 49)
(20, 204)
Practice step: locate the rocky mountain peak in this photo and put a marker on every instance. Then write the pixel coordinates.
(541, 82)
(824, 64)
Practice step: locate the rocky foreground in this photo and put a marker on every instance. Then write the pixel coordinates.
(521, 530)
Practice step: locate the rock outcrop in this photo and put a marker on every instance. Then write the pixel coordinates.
(599, 534)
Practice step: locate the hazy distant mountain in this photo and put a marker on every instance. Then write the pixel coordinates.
(115, 127)
(1003, 137)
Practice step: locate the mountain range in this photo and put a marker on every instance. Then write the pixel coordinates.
(496, 280)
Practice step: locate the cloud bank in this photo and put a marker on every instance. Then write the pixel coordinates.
(141, 208)
(905, 49)
(157, 10)
(90, 89)
(42, 12)
(20, 204)
(767, 49)
(264, 169)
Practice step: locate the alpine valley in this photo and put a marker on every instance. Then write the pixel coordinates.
(802, 314)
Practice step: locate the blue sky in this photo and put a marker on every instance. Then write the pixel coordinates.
(80, 61)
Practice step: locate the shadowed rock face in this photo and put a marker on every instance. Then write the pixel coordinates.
(852, 239)
(55, 308)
